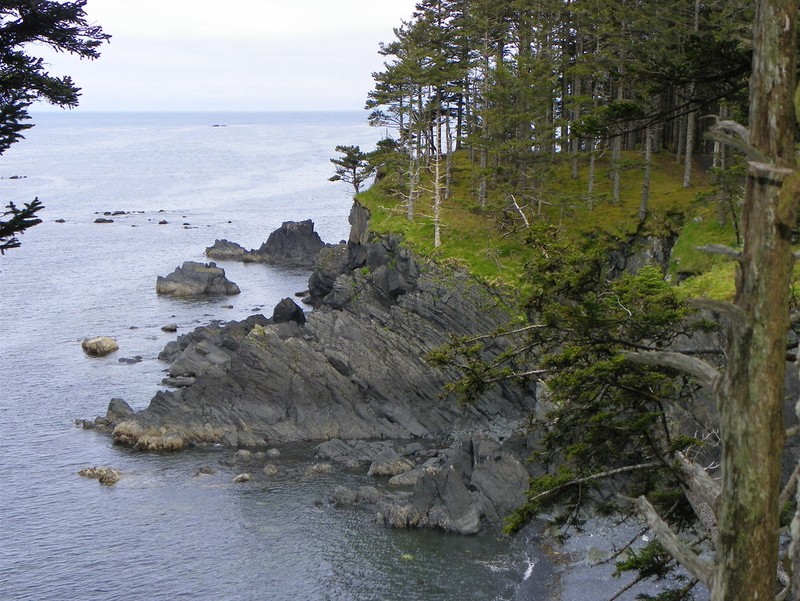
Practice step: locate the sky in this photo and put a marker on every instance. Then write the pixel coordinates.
(232, 55)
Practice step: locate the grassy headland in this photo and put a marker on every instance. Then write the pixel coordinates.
(493, 241)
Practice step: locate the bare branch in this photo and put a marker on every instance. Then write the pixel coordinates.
(737, 136)
(703, 493)
(516, 206)
(701, 569)
(606, 474)
(731, 311)
(493, 335)
(720, 249)
(703, 372)
(789, 489)
(519, 375)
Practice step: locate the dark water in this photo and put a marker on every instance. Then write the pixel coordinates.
(162, 532)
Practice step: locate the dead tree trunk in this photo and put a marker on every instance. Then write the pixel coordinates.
(752, 393)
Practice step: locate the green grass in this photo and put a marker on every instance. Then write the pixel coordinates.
(490, 241)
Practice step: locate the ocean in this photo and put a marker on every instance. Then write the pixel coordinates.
(163, 532)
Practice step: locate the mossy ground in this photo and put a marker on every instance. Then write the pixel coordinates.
(492, 241)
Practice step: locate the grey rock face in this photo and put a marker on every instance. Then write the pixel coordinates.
(294, 244)
(225, 250)
(287, 310)
(196, 279)
(355, 369)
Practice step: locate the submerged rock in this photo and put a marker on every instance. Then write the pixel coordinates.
(105, 475)
(99, 346)
(196, 279)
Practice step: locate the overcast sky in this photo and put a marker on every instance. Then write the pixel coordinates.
(233, 55)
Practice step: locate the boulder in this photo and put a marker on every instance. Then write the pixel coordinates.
(170, 327)
(196, 279)
(179, 381)
(287, 310)
(242, 478)
(389, 463)
(99, 346)
(440, 501)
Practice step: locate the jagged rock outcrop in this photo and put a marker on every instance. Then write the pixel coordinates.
(478, 479)
(356, 369)
(294, 244)
(196, 279)
(287, 310)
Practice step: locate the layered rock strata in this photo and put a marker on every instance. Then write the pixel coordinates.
(355, 369)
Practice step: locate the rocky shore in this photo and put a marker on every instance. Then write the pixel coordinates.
(352, 376)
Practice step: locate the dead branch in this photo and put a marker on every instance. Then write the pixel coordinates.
(736, 136)
(703, 494)
(706, 375)
(700, 568)
(731, 311)
(519, 210)
(721, 249)
(606, 474)
(789, 489)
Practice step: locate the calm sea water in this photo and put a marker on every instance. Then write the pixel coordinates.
(162, 532)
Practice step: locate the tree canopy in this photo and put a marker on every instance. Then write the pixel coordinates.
(25, 79)
(523, 85)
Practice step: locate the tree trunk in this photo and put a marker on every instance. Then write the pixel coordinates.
(616, 148)
(691, 128)
(590, 185)
(448, 178)
(681, 138)
(752, 394)
(437, 176)
(648, 160)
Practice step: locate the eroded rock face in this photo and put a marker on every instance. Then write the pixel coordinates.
(196, 279)
(356, 369)
(294, 244)
(288, 310)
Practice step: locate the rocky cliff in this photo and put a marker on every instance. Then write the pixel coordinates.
(355, 369)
